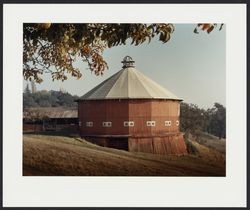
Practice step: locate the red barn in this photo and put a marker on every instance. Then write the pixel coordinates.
(130, 111)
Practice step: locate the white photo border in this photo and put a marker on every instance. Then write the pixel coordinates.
(229, 191)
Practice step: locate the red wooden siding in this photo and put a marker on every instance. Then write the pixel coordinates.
(32, 127)
(172, 144)
(158, 139)
(118, 111)
(103, 111)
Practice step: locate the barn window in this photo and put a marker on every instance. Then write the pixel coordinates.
(168, 123)
(128, 123)
(106, 124)
(89, 124)
(131, 123)
(177, 122)
(150, 123)
(80, 123)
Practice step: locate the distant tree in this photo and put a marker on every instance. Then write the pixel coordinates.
(27, 89)
(47, 45)
(28, 100)
(49, 99)
(192, 119)
(66, 99)
(217, 120)
(54, 98)
(33, 86)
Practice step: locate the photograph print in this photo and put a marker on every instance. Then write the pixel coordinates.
(124, 99)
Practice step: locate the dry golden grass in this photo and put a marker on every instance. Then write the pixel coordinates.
(64, 156)
(213, 142)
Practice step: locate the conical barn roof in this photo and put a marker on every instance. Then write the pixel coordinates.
(128, 83)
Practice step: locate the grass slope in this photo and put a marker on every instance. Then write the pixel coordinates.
(45, 155)
(212, 142)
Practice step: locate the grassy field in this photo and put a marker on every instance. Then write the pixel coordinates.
(45, 155)
(212, 142)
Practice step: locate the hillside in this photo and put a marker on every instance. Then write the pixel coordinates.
(212, 142)
(65, 156)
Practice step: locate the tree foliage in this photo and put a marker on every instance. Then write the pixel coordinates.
(53, 48)
(193, 120)
(48, 99)
(27, 89)
(217, 120)
(48, 45)
(208, 27)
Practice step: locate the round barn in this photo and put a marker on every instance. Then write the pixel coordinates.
(130, 111)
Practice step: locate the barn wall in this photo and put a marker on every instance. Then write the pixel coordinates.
(32, 127)
(172, 144)
(138, 110)
(141, 111)
(163, 110)
(101, 111)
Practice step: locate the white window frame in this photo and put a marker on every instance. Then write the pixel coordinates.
(151, 123)
(128, 123)
(168, 123)
(107, 124)
(89, 124)
(125, 124)
(177, 122)
(131, 123)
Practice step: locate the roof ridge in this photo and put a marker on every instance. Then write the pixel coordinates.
(86, 95)
(114, 84)
(149, 89)
(138, 77)
(129, 83)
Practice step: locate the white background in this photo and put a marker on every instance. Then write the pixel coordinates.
(229, 191)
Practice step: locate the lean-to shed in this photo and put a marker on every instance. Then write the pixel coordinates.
(132, 112)
(50, 119)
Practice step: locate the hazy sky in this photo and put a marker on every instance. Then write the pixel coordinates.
(192, 66)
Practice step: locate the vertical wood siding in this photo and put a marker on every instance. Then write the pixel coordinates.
(173, 144)
(158, 139)
(118, 111)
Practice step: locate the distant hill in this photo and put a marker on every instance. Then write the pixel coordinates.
(48, 99)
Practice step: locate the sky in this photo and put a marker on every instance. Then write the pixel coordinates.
(192, 66)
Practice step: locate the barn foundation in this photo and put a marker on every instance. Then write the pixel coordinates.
(160, 144)
(169, 144)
